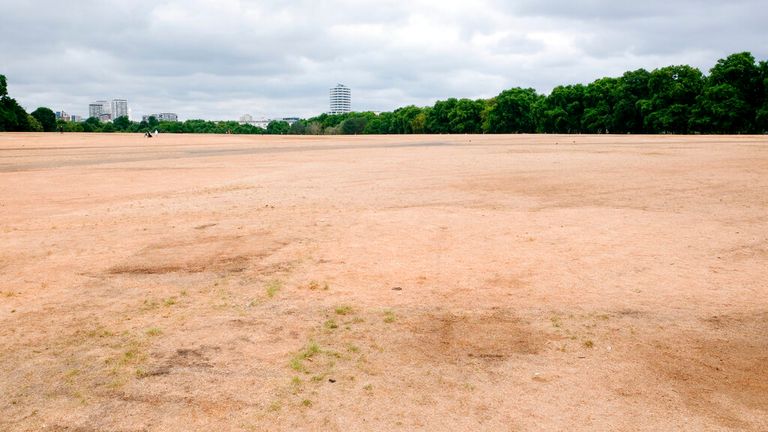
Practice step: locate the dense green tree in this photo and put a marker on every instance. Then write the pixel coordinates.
(627, 115)
(46, 118)
(466, 116)
(599, 102)
(122, 123)
(276, 127)
(438, 119)
(512, 112)
(73, 127)
(672, 93)
(761, 115)
(353, 125)
(419, 122)
(13, 118)
(298, 128)
(34, 124)
(731, 96)
(562, 110)
(92, 124)
(721, 109)
(402, 120)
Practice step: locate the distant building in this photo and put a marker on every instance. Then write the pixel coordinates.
(106, 117)
(340, 100)
(98, 108)
(76, 118)
(119, 108)
(261, 123)
(61, 115)
(169, 117)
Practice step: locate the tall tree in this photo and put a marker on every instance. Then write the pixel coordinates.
(13, 118)
(466, 116)
(599, 101)
(631, 88)
(278, 127)
(46, 118)
(731, 96)
(438, 120)
(672, 93)
(562, 110)
(122, 123)
(512, 112)
(761, 117)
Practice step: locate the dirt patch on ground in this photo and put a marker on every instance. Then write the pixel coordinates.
(463, 336)
(210, 254)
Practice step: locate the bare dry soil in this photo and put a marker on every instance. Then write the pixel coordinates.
(383, 283)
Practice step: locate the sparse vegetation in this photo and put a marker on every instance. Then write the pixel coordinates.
(389, 317)
(297, 362)
(556, 321)
(343, 310)
(330, 324)
(589, 344)
(273, 287)
(154, 331)
(275, 406)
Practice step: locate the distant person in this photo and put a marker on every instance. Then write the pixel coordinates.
(61, 129)
(148, 134)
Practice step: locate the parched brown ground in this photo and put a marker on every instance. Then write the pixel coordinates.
(383, 283)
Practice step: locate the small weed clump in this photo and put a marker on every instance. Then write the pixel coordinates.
(315, 285)
(343, 310)
(389, 317)
(556, 321)
(273, 287)
(331, 324)
(297, 362)
(154, 331)
(589, 344)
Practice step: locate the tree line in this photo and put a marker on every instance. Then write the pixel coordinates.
(732, 99)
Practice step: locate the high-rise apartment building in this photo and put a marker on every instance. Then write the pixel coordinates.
(98, 108)
(119, 108)
(341, 100)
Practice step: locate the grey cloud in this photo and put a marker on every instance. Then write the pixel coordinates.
(220, 59)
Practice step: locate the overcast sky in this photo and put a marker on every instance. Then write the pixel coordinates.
(219, 59)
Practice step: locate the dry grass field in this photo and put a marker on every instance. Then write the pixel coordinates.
(234, 283)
